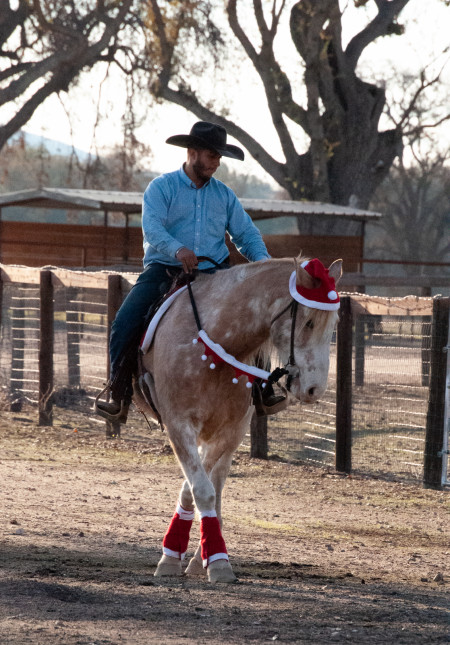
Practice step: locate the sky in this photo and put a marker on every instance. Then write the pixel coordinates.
(422, 40)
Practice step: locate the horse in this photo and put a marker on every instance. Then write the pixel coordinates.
(205, 405)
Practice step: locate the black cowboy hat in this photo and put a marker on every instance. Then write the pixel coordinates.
(209, 136)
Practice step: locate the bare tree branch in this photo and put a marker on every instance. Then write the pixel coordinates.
(65, 52)
(275, 82)
(388, 10)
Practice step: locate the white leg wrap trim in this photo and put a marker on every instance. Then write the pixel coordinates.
(213, 558)
(208, 514)
(184, 514)
(173, 554)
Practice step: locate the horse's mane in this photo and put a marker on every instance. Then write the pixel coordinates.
(322, 322)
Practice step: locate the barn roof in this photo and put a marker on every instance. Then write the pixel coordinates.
(74, 198)
(130, 202)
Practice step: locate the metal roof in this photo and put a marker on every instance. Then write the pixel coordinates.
(265, 208)
(75, 199)
(131, 202)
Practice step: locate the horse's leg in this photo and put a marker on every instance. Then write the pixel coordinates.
(218, 475)
(217, 463)
(176, 539)
(214, 552)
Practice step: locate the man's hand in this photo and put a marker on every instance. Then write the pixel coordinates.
(187, 258)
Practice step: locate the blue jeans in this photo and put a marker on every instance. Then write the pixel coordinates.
(128, 326)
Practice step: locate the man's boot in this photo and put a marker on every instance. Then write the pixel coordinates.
(114, 411)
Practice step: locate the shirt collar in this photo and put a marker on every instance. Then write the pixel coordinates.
(186, 180)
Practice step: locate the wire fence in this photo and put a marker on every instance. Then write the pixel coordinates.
(390, 375)
(389, 404)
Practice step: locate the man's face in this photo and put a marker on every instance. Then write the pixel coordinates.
(205, 163)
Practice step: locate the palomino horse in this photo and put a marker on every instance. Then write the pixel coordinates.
(207, 412)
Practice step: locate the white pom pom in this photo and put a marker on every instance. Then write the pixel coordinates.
(235, 380)
(195, 341)
(212, 366)
(332, 295)
(204, 357)
(248, 384)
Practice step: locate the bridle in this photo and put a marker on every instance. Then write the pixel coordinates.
(291, 368)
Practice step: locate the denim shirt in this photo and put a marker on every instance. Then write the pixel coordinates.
(176, 213)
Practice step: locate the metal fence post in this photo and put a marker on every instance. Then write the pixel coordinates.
(114, 300)
(344, 336)
(435, 428)
(46, 341)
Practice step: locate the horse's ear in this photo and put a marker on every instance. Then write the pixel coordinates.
(304, 279)
(335, 270)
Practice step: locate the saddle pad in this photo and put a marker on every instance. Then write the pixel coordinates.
(148, 337)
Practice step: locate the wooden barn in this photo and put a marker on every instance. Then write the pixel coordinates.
(102, 228)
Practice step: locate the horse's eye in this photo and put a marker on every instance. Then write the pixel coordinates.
(309, 324)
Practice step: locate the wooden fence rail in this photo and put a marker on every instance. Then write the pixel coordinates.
(112, 286)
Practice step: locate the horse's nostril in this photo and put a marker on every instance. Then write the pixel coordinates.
(311, 391)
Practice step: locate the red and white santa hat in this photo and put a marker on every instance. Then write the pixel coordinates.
(324, 296)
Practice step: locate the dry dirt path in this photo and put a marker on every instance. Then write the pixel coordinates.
(320, 557)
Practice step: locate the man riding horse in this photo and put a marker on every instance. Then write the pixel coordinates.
(185, 215)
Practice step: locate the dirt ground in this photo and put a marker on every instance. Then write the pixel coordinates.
(320, 557)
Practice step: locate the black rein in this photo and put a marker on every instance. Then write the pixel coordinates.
(278, 372)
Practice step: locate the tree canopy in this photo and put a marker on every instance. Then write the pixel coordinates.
(45, 44)
(335, 145)
(347, 154)
(415, 202)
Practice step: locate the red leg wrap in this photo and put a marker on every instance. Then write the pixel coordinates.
(213, 544)
(175, 542)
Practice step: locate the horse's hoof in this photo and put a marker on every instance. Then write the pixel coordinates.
(220, 571)
(168, 566)
(195, 568)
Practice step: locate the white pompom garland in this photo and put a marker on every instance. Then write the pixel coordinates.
(219, 355)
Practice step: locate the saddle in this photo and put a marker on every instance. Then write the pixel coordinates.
(130, 364)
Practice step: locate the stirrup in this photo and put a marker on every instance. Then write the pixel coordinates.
(264, 407)
(118, 417)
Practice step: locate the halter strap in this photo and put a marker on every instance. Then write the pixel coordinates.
(283, 311)
(294, 310)
(291, 362)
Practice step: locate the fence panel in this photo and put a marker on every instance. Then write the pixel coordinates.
(19, 343)
(385, 357)
(390, 401)
(390, 367)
